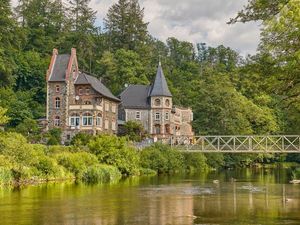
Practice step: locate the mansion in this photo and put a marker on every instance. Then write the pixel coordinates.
(78, 102)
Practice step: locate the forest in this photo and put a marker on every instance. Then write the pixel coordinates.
(229, 93)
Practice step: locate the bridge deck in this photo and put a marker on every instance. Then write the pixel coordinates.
(238, 144)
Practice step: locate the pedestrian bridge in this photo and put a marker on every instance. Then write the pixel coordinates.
(238, 144)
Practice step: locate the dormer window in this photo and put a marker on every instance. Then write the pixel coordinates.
(57, 88)
(87, 91)
(157, 102)
(80, 91)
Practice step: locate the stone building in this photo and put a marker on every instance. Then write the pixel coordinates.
(153, 107)
(76, 101)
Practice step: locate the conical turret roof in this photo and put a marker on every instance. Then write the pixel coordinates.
(160, 86)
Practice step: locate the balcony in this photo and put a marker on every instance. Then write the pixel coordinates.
(86, 107)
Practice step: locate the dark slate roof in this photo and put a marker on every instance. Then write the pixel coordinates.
(160, 86)
(96, 85)
(136, 96)
(60, 67)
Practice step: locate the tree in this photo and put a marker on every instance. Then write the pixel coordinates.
(134, 131)
(3, 118)
(125, 26)
(9, 41)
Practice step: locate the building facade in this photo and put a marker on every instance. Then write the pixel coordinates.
(152, 106)
(76, 101)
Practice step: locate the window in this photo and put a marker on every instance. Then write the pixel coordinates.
(106, 106)
(87, 119)
(167, 102)
(157, 102)
(113, 125)
(75, 120)
(138, 115)
(57, 88)
(167, 129)
(157, 116)
(99, 120)
(113, 108)
(167, 116)
(57, 121)
(87, 91)
(80, 91)
(57, 103)
(106, 124)
(87, 103)
(157, 129)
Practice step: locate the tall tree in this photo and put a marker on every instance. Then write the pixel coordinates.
(125, 25)
(9, 42)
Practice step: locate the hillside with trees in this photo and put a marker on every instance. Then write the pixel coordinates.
(229, 94)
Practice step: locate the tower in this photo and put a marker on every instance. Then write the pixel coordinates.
(161, 105)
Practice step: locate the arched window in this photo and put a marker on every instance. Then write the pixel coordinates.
(75, 120)
(87, 119)
(157, 129)
(99, 120)
(157, 102)
(167, 129)
(57, 103)
(87, 91)
(167, 102)
(57, 121)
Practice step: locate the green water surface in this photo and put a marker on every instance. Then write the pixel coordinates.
(238, 197)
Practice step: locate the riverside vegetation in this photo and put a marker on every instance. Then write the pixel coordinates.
(229, 93)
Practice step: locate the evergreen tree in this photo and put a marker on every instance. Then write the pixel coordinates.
(125, 25)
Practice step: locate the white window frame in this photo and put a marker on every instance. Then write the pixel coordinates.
(106, 106)
(106, 124)
(113, 125)
(80, 91)
(113, 108)
(57, 102)
(138, 115)
(56, 121)
(87, 91)
(157, 116)
(75, 120)
(87, 120)
(98, 121)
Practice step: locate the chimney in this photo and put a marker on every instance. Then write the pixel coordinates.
(73, 51)
(55, 52)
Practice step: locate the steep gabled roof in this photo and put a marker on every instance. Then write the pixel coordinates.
(60, 66)
(96, 84)
(160, 86)
(136, 96)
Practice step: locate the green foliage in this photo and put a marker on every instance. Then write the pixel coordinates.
(77, 163)
(101, 173)
(134, 131)
(115, 151)
(81, 139)
(54, 136)
(3, 118)
(164, 159)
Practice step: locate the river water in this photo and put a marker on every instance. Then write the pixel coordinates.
(238, 197)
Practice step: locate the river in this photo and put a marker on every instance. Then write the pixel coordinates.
(260, 196)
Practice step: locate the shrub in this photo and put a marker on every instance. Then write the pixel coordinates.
(147, 172)
(81, 139)
(101, 173)
(195, 161)
(77, 163)
(115, 151)
(162, 159)
(6, 176)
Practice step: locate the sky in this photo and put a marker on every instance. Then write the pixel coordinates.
(195, 21)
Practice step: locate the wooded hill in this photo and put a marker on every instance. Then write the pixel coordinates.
(229, 94)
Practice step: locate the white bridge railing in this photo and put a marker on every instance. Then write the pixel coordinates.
(238, 144)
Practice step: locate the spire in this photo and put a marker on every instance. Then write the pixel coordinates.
(160, 86)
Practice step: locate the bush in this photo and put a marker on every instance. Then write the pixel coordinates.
(101, 173)
(77, 163)
(115, 151)
(162, 159)
(147, 172)
(81, 139)
(195, 161)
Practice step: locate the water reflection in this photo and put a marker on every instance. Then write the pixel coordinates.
(252, 197)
